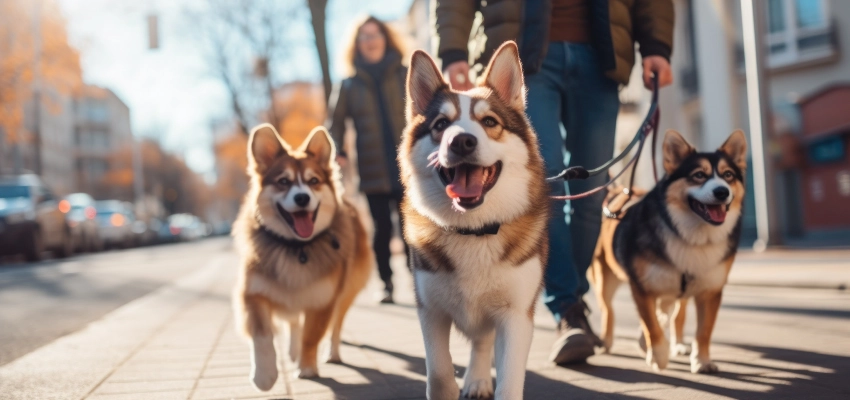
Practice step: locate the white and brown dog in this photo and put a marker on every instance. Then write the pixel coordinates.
(304, 253)
(475, 212)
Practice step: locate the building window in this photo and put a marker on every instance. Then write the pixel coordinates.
(798, 31)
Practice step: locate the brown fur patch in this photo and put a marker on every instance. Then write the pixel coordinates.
(521, 239)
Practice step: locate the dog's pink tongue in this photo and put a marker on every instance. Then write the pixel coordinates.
(468, 182)
(717, 213)
(303, 223)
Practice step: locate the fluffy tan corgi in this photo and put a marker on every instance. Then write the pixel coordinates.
(475, 212)
(676, 242)
(305, 255)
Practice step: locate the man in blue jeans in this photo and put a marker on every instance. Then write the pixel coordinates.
(575, 54)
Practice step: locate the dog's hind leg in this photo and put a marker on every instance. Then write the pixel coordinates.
(260, 327)
(513, 342)
(436, 326)
(678, 328)
(296, 335)
(336, 331)
(707, 304)
(657, 346)
(605, 284)
(315, 326)
(477, 382)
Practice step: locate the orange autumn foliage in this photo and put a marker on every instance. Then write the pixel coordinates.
(300, 107)
(23, 25)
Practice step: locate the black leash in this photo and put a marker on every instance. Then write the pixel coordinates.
(647, 128)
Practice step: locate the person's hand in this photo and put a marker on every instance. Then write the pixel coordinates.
(661, 67)
(342, 161)
(458, 74)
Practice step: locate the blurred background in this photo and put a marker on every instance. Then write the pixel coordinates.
(123, 127)
(141, 109)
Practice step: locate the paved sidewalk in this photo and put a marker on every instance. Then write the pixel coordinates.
(179, 343)
(822, 268)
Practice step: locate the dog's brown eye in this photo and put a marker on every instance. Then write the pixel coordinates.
(313, 181)
(489, 122)
(284, 182)
(443, 123)
(728, 175)
(699, 175)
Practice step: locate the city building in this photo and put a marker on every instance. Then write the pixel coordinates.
(808, 80)
(102, 144)
(45, 140)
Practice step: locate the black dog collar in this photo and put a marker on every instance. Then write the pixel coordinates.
(489, 229)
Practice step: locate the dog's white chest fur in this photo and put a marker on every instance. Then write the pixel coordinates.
(702, 267)
(313, 296)
(480, 290)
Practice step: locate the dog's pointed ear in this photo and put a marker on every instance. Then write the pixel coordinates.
(675, 150)
(423, 81)
(264, 145)
(320, 145)
(504, 76)
(736, 148)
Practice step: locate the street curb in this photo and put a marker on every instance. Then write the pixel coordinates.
(67, 368)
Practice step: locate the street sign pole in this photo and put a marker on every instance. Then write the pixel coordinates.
(758, 102)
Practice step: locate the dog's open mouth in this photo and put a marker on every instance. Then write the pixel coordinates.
(466, 184)
(301, 222)
(712, 213)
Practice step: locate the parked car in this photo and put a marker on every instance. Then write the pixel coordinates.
(183, 228)
(115, 223)
(30, 219)
(150, 233)
(80, 212)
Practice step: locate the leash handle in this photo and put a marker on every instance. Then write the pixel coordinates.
(647, 128)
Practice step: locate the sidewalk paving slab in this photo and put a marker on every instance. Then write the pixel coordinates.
(180, 343)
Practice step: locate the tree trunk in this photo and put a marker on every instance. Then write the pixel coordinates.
(317, 14)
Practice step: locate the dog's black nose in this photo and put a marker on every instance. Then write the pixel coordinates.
(721, 192)
(463, 144)
(302, 199)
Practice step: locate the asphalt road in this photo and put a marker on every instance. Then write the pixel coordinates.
(43, 301)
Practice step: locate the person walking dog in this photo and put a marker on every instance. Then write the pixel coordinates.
(370, 98)
(575, 55)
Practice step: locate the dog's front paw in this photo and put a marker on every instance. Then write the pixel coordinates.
(681, 349)
(658, 356)
(264, 378)
(704, 366)
(478, 388)
(308, 372)
(334, 359)
(439, 389)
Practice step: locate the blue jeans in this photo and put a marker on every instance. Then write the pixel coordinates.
(573, 107)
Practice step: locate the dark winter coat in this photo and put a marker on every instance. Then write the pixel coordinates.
(357, 98)
(615, 27)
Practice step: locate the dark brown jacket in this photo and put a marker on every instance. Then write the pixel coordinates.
(356, 98)
(615, 27)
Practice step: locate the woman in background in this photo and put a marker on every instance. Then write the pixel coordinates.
(372, 98)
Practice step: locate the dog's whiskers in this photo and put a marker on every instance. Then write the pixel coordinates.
(434, 159)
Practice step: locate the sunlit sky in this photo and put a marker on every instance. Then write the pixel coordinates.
(172, 94)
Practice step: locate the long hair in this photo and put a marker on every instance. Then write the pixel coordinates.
(351, 53)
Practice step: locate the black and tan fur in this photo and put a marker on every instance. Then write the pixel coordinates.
(308, 282)
(668, 252)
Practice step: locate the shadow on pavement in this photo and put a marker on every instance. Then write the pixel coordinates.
(787, 374)
(536, 386)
